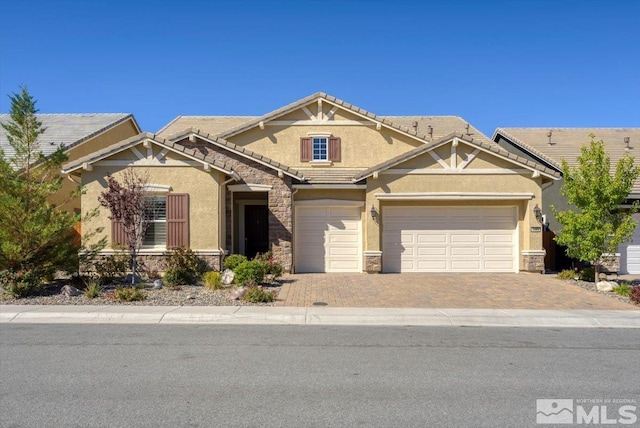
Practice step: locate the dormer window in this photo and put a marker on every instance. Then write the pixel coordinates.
(320, 148)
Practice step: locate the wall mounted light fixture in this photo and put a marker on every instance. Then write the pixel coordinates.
(538, 213)
(374, 213)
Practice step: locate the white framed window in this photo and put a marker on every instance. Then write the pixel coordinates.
(156, 215)
(320, 147)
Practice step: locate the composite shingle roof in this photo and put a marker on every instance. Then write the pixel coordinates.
(552, 145)
(68, 129)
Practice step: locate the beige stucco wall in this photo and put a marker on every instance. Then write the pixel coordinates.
(340, 194)
(204, 196)
(362, 146)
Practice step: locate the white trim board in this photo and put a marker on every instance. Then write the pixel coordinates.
(454, 196)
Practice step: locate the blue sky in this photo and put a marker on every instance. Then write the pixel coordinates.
(495, 63)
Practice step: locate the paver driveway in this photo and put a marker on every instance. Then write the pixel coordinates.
(488, 291)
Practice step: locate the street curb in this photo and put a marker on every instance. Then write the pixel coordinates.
(64, 314)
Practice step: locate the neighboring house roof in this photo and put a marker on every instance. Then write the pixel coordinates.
(84, 161)
(491, 147)
(427, 128)
(565, 143)
(240, 150)
(68, 129)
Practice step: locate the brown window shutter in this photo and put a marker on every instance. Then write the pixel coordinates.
(334, 149)
(306, 149)
(118, 238)
(177, 220)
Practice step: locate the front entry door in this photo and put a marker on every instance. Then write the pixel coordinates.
(256, 230)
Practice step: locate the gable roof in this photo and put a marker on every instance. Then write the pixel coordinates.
(137, 139)
(566, 143)
(426, 128)
(68, 129)
(220, 142)
(490, 147)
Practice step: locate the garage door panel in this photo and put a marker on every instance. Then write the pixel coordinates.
(495, 238)
(443, 239)
(460, 238)
(430, 266)
(432, 251)
(343, 238)
(498, 264)
(343, 251)
(431, 238)
(406, 238)
(465, 265)
(498, 251)
(465, 251)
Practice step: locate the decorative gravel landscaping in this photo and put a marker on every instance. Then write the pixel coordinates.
(591, 286)
(186, 295)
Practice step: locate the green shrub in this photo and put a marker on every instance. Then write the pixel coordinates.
(622, 289)
(634, 296)
(93, 290)
(249, 270)
(567, 274)
(272, 269)
(587, 274)
(256, 294)
(112, 267)
(232, 261)
(184, 267)
(129, 294)
(213, 280)
(21, 283)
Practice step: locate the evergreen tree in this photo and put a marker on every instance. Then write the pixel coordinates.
(35, 236)
(599, 225)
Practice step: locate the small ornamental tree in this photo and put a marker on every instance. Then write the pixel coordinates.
(128, 205)
(35, 236)
(599, 225)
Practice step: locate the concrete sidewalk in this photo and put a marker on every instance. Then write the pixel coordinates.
(318, 316)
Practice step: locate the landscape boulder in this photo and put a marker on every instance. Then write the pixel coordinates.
(605, 285)
(70, 290)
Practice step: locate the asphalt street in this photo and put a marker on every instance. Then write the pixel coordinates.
(77, 375)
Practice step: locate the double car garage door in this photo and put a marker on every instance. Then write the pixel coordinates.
(449, 239)
(414, 239)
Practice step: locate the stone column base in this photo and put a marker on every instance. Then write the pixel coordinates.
(373, 261)
(533, 260)
(610, 263)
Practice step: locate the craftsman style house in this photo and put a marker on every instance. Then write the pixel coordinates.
(330, 187)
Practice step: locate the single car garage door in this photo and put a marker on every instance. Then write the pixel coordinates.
(630, 252)
(449, 239)
(328, 239)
